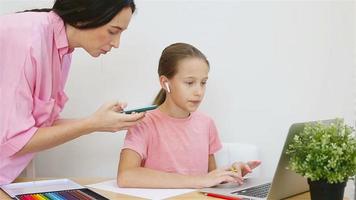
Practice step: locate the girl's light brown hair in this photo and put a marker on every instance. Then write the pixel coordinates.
(169, 60)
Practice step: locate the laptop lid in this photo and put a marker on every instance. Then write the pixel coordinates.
(285, 183)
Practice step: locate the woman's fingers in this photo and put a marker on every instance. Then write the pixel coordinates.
(129, 124)
(109, 105)
(118, 106)
(122, 105)
(132, 117)
(109, 117)
(125, 121)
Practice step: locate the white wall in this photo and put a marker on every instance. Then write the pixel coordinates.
(272, 63)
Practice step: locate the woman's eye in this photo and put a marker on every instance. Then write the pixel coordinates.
(111, 32)
(203, 83)
(190, 83)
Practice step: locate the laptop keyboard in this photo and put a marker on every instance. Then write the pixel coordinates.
(259, 191)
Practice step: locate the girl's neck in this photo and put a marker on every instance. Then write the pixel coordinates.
(172, 110)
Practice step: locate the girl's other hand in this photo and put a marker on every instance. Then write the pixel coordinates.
(108, 118)
(244, 168)
(218, 176)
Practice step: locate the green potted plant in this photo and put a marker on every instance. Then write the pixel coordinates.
(326, 155)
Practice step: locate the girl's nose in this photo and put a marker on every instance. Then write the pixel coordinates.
(199, 90)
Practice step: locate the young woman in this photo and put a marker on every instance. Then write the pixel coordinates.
(175, 144)
(36, 48)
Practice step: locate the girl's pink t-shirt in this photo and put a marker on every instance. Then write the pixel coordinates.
(34, 63)
(174, 145)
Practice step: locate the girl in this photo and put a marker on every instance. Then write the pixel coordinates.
(174, 144)
(36, 49)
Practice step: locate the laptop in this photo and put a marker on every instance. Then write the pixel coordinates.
(285, 183)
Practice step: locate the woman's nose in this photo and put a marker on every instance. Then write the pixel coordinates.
(115, 42)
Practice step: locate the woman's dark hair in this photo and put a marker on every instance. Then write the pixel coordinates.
(170, 58)
(86, 14)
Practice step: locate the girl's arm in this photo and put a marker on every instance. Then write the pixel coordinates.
(131, 174)
(212, 163)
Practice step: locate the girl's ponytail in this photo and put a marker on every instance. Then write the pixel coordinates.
(161, 96)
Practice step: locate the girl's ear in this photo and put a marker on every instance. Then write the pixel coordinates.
(164, 83)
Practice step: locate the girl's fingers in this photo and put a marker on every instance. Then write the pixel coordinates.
(236, 167)
(243, 167)
(237, 177)
(253, 163)
(233, 168)
(246, 168)
(227, 179)
(236, 172)
(232, 179)
(226, 168)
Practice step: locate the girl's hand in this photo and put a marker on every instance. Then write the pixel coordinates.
(242, 168)
(109, 119)
(218, 176)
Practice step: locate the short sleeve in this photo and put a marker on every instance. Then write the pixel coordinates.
(214, 140)
(136, 140)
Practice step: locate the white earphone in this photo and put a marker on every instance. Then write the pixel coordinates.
(167, 87)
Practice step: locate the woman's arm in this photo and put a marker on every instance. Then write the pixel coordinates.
(106, 119)
(49, 137)
(63, 121)
(131, 174)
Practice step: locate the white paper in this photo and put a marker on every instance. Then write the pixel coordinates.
(154, 194)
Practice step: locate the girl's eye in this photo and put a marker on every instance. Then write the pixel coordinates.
(189, 83)
(203, 83)
(111, 32)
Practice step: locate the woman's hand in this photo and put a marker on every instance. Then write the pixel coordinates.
(218, 176)
(109, 119)
(242, 168)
